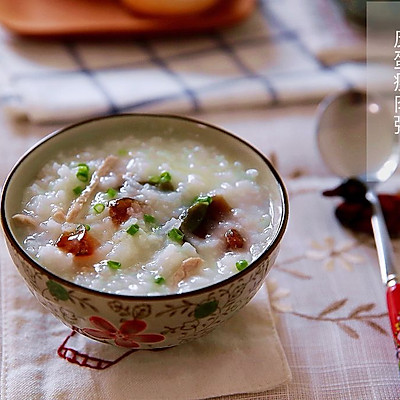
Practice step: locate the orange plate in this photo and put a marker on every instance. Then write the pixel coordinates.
(49, 18)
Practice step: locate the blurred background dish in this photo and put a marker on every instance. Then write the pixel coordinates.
(170, 8)
(85, 17)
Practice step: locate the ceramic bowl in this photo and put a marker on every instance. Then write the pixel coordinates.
(140, 321)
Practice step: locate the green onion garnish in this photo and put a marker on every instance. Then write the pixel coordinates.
(114, 264)
(176, 235)
(133, 229)
(123, 152)
(83, 172)
(154, 180)
(83, 166)
(111, 193)
(165, 177)
(77, 190)
(203, 199)
(241, 265)
(159, 280)
(99, 208)
(85, 226)
(149, 219)
(162, 181)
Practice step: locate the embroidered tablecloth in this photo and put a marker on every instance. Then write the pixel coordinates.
(328, 298)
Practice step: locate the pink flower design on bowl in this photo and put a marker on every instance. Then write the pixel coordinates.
(128, 335)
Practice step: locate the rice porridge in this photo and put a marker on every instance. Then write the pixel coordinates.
(150, 217)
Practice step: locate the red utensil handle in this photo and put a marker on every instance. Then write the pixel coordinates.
(393, 303)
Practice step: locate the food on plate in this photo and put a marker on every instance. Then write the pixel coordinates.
(151, 217)
(168, 7)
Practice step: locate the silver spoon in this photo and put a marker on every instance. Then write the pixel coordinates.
(356, 139)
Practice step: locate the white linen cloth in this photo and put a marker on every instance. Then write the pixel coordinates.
(287, 51)
(242, 356)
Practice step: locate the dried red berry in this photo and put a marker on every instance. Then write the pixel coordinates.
(234, 240)
(121, 210)
(78, 243)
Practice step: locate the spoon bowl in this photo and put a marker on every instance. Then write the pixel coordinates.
(356, 138)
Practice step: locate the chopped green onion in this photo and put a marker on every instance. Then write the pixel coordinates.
(87, 227)
(99, 208)
(111, 192)
(165, 177)
(162, 182)
(123, 152)
(114, 264)
(241, 265)
(159, 280)
(176, 235)
(154, 180)
(133, 229)
(83, 172)
(77, 190)
(203, 199)
(84, 166)
(149, 219)
(83, 177)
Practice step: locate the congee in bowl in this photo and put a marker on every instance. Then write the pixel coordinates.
(144, 208)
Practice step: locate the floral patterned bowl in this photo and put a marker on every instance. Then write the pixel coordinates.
(139, 321)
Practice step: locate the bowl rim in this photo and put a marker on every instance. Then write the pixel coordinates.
(149, 298)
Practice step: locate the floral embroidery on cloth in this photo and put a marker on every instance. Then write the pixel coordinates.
(330, 252)
(128, 335)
